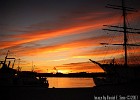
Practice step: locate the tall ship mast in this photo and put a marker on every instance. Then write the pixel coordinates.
(124, 28)
(117, 73)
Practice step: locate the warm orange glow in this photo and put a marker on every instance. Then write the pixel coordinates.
(73, 55)
(41, 35)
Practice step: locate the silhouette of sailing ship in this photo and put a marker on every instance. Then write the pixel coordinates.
(117, 73)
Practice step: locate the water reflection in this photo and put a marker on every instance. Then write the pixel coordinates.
(70, 82)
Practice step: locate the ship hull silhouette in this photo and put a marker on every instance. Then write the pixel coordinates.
(117, 74)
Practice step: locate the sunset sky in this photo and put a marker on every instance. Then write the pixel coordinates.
(64, 33)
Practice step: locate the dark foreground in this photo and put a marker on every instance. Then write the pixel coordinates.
(38, 93)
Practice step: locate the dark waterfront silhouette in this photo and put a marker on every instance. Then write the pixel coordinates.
(11, 77)
(25, 85)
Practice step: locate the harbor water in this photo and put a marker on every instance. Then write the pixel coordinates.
(55, 82)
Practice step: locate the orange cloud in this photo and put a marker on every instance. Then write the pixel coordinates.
(74, 47)
(85, 24)
(106, 54)
(74, 29)
(41, 35)
(63, 46)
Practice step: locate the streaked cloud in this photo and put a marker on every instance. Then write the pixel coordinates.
(66, 37)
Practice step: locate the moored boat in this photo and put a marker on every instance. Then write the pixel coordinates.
(16, 78)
